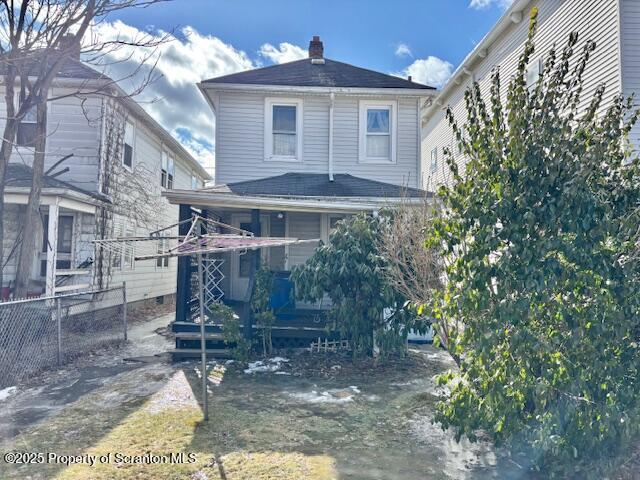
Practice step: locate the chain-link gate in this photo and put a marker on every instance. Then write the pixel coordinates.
(40, 333)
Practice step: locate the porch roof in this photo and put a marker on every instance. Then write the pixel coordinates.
(308, 192)
(18, 185)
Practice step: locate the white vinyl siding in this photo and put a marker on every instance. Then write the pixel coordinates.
(240, 147)
(630, 35)
(304, 226)
(592, 19)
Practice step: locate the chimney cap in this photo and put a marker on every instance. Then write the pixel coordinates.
(316, 48)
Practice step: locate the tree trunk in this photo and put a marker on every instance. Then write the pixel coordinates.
(8, 138)
(32, 220)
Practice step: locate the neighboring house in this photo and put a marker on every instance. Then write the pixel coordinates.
(111, 186)
(612, 24)
(301, 145)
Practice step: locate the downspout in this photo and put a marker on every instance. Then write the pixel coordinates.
(331, 102)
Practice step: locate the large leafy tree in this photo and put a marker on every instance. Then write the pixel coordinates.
(539, 235)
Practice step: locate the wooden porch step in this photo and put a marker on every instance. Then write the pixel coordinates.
(196, 336)
(195, 353)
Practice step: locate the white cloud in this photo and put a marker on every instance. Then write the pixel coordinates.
(483, 4)
(286, 52)
(431, 71)
(173, 98)
(403, 50)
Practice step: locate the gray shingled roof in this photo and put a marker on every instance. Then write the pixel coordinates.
(72, 68)
(19, 175)
(317, 185)
(303, 73)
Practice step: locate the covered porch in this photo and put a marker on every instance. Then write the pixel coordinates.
(300, 206)
(64, 262)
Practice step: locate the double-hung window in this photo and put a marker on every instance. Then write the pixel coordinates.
(377, 131)
(128, 143)
(168, 170)
(283, 129)
(163, 247)
(27, 128)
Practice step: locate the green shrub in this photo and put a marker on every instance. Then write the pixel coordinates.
(350, 270)
(540, 235)
(261, 308)
(232, 331)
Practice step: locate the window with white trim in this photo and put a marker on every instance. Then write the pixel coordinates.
(124, 256)
(128, 143)
(533, 72)
(168, 170)
(163, 247)
(377, 131)
(27, 128)
(434, 159)
(283, 129)
(195, 184)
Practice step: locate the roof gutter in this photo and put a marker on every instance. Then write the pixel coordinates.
(356, 91)
(513, 15)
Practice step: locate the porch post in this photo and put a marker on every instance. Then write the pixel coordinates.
(52, 248)
(255, 265)
(183, 286)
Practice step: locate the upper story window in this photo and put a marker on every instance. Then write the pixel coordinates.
(377, 131)
(434, 159)
(127, 150)
(27, 128)
(283, 129)
(195, 184)
(168, 170)
(534, 71)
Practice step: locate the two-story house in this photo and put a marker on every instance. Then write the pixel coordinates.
(612, 24)
(301, 145)
(107, 162)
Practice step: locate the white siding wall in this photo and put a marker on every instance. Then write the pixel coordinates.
(240, 140)
(630, 36)
(146, 279)
(592, 19)
(302, 226)
(73, 128)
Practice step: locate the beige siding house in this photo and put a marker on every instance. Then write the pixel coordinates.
(613, 24)
(119, 160)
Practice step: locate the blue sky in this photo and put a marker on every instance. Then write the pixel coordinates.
(424, 38)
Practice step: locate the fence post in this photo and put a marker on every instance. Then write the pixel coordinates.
(124, 308)
(59, 329)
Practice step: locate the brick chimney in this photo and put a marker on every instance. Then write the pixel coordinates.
(316, 49)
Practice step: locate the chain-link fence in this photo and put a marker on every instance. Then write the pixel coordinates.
(39, 333)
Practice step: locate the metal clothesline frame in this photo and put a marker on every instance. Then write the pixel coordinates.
(198, 245)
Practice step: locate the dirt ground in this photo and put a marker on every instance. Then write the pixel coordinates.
(296, 416)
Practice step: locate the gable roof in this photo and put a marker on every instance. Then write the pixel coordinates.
(317, 185)
(19, 175)
(304, 73)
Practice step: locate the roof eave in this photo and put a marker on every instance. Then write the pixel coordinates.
(479, 52)
(301, 204)
(410, 92)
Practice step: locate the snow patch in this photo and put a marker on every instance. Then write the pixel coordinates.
(271, 365)
(7, 392)
(334, 396)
